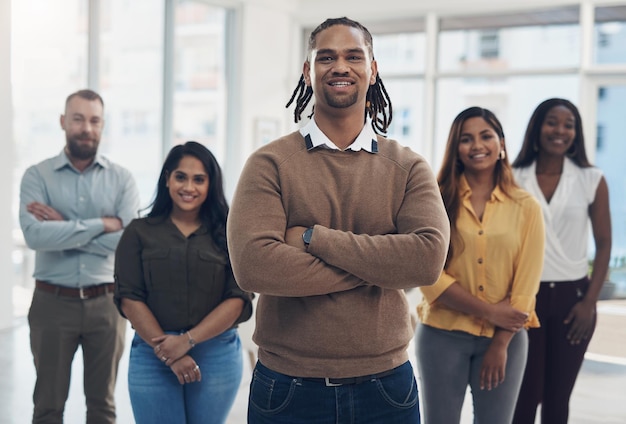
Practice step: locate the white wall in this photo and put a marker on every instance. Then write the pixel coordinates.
(6, 168)
(265, 76)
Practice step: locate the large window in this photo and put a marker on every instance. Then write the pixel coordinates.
(401, 65)
(199, 75)
(610, 154)
(131, 82)
(610, 35)
(400, 53)
(408, 115)
(506, 49)
(136, 67)
(49, 61)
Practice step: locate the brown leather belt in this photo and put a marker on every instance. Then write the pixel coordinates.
(80, 293)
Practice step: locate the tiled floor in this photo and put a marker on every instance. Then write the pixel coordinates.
(599, 396)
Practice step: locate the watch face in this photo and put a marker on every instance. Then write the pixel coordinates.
(306, 236)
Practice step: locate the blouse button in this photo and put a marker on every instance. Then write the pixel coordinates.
(480, 260)
(481, 288)
(480, 233)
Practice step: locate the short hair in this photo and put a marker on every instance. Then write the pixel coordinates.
(340, 21)
(530, 147)
(378, 101)
(85, 94)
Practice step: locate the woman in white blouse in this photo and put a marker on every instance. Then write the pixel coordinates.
(553, 166)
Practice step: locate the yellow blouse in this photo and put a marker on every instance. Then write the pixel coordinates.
(500, 256)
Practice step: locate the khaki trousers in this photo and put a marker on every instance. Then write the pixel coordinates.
(58, 325)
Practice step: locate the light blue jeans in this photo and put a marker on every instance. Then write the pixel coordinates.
(156, 395)
(449, 361)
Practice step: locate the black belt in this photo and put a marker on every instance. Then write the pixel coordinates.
(333, 382)
(80, 293)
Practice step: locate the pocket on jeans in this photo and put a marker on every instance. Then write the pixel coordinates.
(398, 390)
(268, 395)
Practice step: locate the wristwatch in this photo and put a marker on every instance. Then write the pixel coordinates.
(306, 236)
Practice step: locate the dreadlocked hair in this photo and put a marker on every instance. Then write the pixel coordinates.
(378, 103)
(304, 93)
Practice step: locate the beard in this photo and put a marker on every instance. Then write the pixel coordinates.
(341, 101)
(80, 150)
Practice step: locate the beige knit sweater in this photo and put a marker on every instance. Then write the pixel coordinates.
(339, 309)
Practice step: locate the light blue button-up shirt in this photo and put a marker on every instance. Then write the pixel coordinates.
(76, 252)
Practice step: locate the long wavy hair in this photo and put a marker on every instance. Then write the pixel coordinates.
(452, 168)
(530, 147)
(214, 210)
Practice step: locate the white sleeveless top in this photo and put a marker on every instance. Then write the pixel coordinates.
(566, 218)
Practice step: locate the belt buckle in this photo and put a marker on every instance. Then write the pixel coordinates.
(81, 294)
(329, 384)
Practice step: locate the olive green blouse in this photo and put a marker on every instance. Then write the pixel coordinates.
(181, 279)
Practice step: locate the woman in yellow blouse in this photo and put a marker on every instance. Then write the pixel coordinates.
(473, 319)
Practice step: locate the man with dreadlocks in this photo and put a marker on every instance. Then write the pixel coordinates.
(329, 224)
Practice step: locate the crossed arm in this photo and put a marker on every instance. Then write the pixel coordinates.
(268, 255)
(45, 228)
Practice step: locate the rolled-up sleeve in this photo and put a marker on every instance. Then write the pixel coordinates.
(432, 293)
(232, 290)
(529, 263)
(129, 279)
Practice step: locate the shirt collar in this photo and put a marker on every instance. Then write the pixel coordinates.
(62, 161)
(314, 137)
(155, 220)
(465, 191)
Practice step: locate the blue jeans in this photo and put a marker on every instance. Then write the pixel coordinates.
(156, 395)
(277, 398)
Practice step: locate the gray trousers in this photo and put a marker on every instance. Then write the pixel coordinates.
(449, 361)
(58, 325)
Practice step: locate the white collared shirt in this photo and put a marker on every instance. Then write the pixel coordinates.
(366, 139)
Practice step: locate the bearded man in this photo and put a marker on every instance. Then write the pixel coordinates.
(73, 208)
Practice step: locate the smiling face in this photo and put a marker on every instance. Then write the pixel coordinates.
(188, 186)
(558, 131)
(340, 69)
(479, 146)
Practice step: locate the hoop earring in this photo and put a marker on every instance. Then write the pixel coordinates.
(502, 154)
(535, 147)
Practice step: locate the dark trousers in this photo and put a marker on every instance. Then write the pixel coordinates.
(57, 326)
(553, 362)
(276, 398)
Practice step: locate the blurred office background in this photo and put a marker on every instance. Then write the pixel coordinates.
(221, 71)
